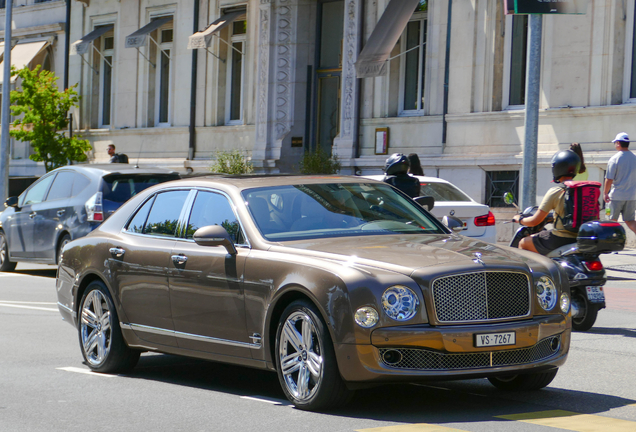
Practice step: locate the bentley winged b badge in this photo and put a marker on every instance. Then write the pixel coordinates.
(477, 258)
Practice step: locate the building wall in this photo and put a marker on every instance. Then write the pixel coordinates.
(586, 66)
(35, 22)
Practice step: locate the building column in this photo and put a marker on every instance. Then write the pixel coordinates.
(275, 80)
(345, 143)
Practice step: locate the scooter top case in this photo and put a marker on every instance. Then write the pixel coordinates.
(598, 237)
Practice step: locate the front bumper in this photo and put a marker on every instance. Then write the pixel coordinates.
(435, 353)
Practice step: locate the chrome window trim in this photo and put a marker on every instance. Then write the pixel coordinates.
(497, 320)
(189, 336)
(124, 228)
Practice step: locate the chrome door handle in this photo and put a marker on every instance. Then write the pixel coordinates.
(32, 215)
(61, 212)
(179, 259)
(117, 252)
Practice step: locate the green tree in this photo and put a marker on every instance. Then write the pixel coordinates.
(41, 111)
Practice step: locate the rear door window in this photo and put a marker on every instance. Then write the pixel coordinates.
(120, 188)
(79, 184)
(62, 186)
(137, 223)
(37, 192)
(163, 219)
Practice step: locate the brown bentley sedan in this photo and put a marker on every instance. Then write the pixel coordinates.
(334, 282)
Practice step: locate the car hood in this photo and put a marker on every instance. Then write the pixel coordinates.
(408, 253)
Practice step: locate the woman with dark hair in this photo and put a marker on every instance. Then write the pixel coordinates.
(415, 167)
(583, 174)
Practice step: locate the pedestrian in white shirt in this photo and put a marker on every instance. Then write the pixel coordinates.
(620, 182)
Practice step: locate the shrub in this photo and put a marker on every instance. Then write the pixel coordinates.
(319, 162)
(231, 162)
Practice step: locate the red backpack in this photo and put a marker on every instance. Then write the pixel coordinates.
(581, 203)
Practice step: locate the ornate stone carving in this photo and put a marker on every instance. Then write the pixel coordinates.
(284, 75)
(348, 73)
(263, 73)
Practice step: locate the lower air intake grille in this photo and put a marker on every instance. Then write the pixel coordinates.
(421, 359)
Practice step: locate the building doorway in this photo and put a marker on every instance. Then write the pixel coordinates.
(328, 73)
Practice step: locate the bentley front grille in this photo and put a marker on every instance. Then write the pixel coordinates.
(481, 296)
(428, 360)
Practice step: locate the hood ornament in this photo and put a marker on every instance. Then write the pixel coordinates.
(477, 258)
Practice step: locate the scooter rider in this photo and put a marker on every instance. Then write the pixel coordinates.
(396, 168)
(565, 165)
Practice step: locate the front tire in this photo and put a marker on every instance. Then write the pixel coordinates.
(306, 361)
(533, 381)
(101, 341)
(5, 264)
(589, 312)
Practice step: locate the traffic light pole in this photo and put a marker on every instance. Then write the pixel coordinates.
(531, 123)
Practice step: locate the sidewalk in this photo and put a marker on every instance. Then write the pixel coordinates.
(618, 266)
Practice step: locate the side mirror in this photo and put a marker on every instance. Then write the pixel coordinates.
(11, 202)
(214, 235)
(428, 202)
(453, 223)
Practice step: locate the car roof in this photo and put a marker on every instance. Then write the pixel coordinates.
(118, 168)
(242, 182)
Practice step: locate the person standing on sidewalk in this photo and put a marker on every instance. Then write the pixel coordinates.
(620, 182)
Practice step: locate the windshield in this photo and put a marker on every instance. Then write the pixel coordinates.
(443, 192)
(121, 188)
(335, 210)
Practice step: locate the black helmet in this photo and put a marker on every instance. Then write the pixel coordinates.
(565, 163)
(396, 164)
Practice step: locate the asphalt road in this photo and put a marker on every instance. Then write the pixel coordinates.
(45, 387)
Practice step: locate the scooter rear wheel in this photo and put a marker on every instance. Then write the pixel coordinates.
(588, 313)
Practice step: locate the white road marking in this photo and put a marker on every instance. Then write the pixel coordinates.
(26, 302)
(28, 307)
(84, 371)
(267, 400)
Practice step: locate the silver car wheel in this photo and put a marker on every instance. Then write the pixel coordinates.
(96, 336)
(3, 251)
(300, 356)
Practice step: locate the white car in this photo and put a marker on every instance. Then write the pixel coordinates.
(479, 222)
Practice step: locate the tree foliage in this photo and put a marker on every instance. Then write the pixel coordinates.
(41, 111)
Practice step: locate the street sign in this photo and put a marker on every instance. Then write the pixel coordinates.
(547, 7)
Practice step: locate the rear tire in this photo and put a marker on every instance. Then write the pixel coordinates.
(101, 341)
(5, 264)
(63, 242)
(589, 310)
(306, 361)
(534, 381)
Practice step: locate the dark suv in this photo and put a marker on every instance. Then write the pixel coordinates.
(66, 204)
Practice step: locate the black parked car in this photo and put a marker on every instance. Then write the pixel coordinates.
(66, 204)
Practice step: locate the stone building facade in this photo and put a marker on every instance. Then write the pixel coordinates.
(276, 77)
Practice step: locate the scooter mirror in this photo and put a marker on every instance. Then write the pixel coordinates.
(509, 198)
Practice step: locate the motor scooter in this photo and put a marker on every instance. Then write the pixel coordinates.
(581, 262)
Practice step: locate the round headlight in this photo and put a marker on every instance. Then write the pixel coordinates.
(546, 293)
(366, 317)
(400, 303)
(565, 303)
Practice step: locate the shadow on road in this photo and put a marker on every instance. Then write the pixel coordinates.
(48, 273)
(613, 331)
(441, 402)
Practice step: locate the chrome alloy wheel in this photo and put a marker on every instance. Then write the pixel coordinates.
(96, 336)
(3, 250)
(300, 356)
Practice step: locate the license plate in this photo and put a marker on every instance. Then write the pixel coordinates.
(595, 294)
(495, 339)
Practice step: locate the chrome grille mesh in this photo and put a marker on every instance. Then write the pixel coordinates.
(481, 296)
(422, 359)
